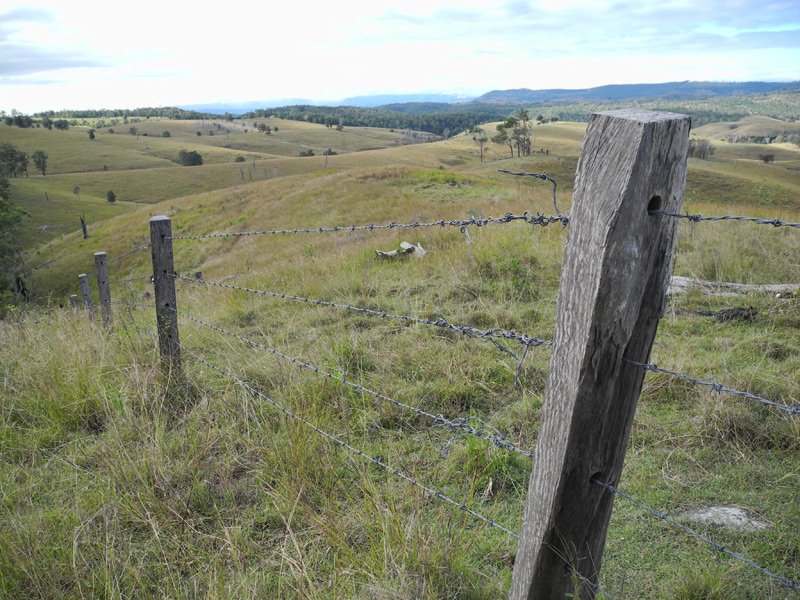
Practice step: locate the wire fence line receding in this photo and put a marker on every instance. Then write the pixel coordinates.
(698, 218)
(459, 426)
(435, 493)
(490, 335)
(142, 247)
(791, 409)
(718, 547)
(527, 217)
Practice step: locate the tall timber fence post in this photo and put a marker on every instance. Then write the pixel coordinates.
(617, 265)
(164, 292)
(103, 286)
(83, 280)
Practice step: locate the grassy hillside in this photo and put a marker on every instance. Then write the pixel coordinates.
(113, 488)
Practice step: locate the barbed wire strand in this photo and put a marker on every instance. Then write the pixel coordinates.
(791, 409)
(564, 218)
(459, 426)
(697, 218)
(431, 491)
(718, 547)
(585, 580)
(52, 260)
(142, 247)
(489, 335)
(133, 304)
(131, 279)
(527, 217)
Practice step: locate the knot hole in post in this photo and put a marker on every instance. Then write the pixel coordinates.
(654, 204)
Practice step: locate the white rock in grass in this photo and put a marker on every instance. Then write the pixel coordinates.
(405, 248)
(727, 517)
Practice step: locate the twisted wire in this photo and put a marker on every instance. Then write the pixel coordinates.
(563, 218)
(697, 218)
(131, 279)
(459, 426)
(142, 247)
(489, 335)
(527, 217)
(792, 409)
(718, 547)
(44, 264)
(431, 491)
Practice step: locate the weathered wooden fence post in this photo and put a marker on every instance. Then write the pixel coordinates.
(617, 265)
(164, 293)
(103, 287)
(83, 280)
(74, 300)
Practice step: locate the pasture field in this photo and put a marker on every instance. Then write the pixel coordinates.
(113, 488)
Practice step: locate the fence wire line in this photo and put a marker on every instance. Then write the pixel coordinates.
(563, 218)
(133, 304)
(527, 217)
(131, 279)
(697, 218)
(791, 409)
(44, 264)
(718, 547)
(142, 247)
(490, 335)
(459, 426)
(431, 491)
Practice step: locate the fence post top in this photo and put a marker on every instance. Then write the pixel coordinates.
(100, 254)
(81, 275)
(641, 115)
(159, 218)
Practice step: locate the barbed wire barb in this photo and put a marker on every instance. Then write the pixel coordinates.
(718, 547)
(791, 409)
(458, 426)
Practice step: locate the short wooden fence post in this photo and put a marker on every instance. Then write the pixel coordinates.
(74, 300)
(164, 293)
(83, 280)
(617, 265)
(103, 287)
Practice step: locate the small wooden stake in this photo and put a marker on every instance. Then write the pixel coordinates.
(103, 287)
(74, 300)
(83, 280)
(616, 270)
(164, 292)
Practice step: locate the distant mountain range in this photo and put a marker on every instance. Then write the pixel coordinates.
(678, 90)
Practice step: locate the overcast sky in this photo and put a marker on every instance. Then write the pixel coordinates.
(92, 54)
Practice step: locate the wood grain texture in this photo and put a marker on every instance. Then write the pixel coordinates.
(103, 286)
(86, 295)
(164, 294)
(616, 270)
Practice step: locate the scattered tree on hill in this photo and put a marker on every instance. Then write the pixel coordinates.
(40, 160)
(502, 137)
(701, 148)
(340, 126)
(329, 152)
(165, 134)
(239, 159)
(766, 158)
(77, 191)
(111, 196)
(479, 137)
(198, 133)
(190, 158)
(328, 122)
(110, 130)
(134, 131)
(46, 122)
(304, 153)
(61, 124)
(91, 134)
